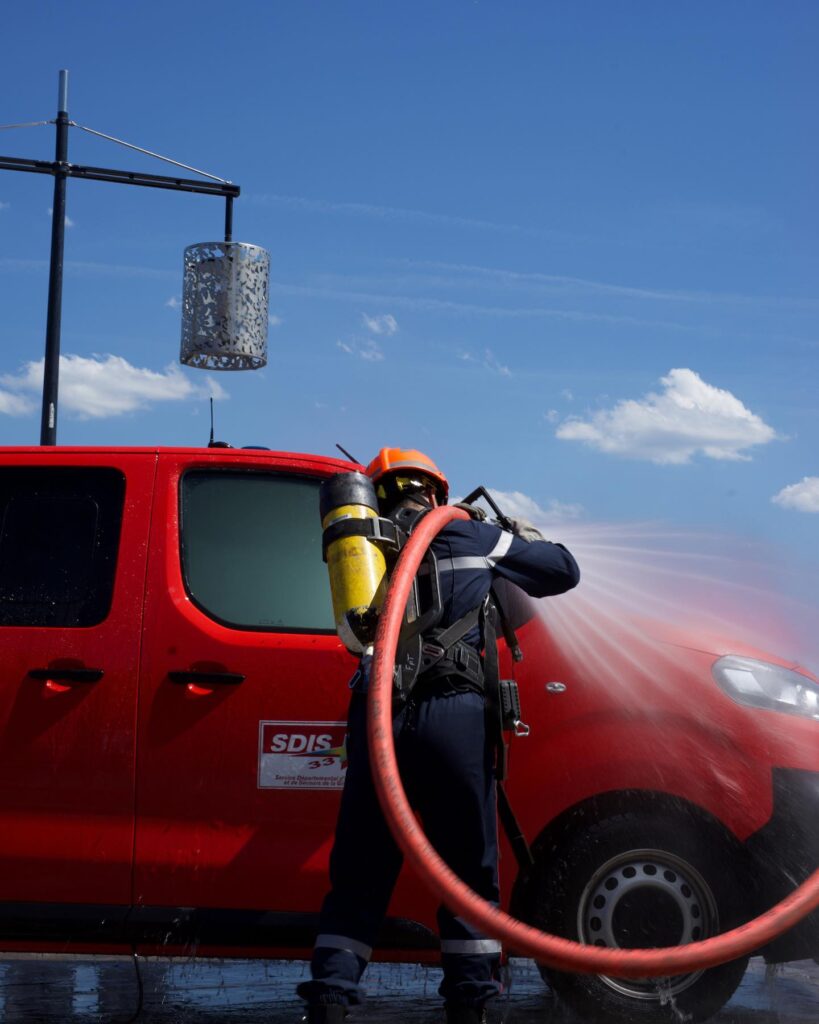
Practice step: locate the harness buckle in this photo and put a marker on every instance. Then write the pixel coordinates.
(385, 532)
(431, 654)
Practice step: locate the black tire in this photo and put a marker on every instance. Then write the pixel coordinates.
(641, 879)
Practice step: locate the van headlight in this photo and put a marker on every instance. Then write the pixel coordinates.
(759, 684)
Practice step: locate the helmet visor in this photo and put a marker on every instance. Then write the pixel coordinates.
(400, 485)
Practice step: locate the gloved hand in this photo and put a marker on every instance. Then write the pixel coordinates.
(525, 530)
(473, 510)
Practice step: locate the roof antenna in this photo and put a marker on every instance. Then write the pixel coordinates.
(345, 452)
(211, 442)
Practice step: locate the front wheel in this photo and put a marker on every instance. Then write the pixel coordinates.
(641, 880)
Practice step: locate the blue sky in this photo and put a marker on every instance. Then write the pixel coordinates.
(569, 249)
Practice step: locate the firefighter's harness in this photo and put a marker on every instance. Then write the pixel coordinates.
(427, 652)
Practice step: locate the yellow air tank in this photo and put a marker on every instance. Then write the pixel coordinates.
(355, 561)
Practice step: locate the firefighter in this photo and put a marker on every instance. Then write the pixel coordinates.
(446, 754)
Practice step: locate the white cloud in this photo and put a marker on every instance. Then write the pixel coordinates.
(386, 213)
(274, 321)
(460, 273)
(488, 359)
(435, 305)
(84, 268)
(386, 324)
(804, 496)
(15, 405)
(563, 511)
(69, 223)
(519, 505)
(491, 363)
(4, 206)
(552, 416)
(689, 416)
(371, 352)
(567, 394)
(102, 386)
(368, 350)
(174, 302)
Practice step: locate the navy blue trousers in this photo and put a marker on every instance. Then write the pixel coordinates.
(445, 759)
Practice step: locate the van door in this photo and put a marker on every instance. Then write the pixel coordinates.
(73, 537)
(243, 691)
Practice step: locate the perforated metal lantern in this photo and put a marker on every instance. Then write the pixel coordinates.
(224, 306)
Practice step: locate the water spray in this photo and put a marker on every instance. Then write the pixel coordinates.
(552, 950)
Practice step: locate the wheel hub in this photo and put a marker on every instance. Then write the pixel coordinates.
(647, 899)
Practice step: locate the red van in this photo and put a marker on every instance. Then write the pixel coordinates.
(172, 723)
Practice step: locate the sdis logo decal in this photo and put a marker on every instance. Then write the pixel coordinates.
(302, 755)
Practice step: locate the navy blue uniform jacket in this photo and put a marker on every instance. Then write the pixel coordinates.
(472, 555)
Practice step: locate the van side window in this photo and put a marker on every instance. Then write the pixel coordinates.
(58, 544)
(251, 550)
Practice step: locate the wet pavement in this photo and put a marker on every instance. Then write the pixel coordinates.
(81, 990)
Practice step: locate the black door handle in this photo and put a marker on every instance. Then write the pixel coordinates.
(229, 678)
(69, 675)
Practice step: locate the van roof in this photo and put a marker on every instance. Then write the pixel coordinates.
(238, 454)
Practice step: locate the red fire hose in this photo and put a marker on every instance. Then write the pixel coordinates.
(523, 939)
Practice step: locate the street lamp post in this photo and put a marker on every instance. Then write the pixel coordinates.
(51, 363)
(61, 170)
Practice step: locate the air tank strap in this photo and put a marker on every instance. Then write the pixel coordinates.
(382, 531)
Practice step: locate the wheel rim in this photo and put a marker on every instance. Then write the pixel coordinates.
(642, 899)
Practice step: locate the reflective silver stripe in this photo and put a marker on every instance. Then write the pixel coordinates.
(464, 562)
(470, 946)
(346, 943)
(500, 549)
(478, 561)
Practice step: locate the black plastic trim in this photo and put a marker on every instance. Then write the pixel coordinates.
(184, 926)
(784, 852)
(222, 678)
(61, 922)
(72, 675)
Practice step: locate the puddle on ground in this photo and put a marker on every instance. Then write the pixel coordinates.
(105, 990)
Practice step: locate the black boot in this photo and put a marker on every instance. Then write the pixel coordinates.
(457, 1013)
(326, 1013)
